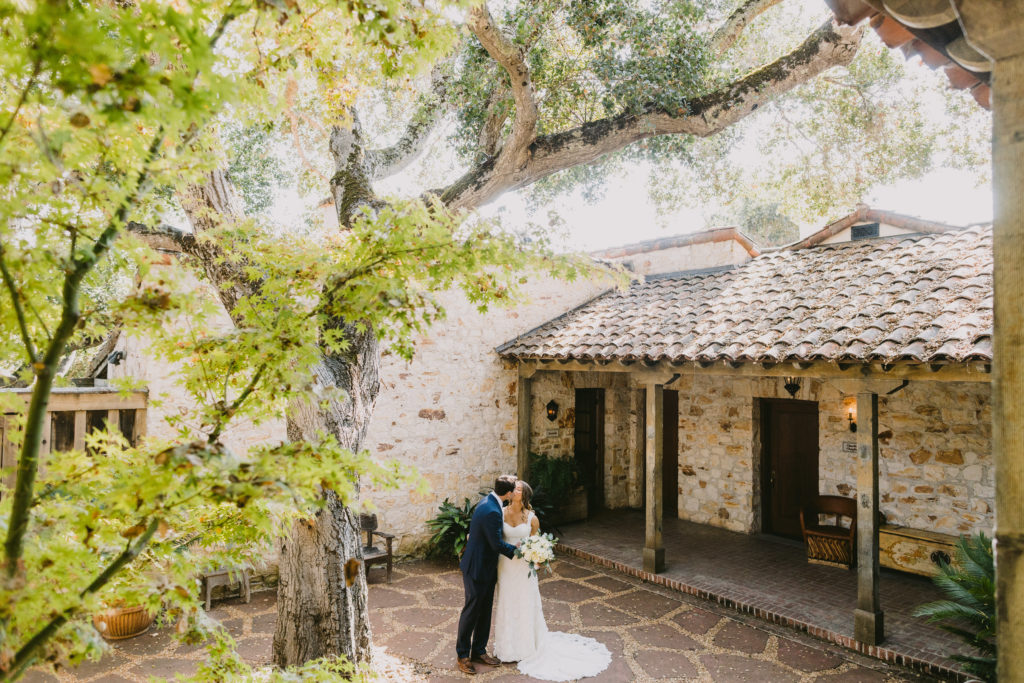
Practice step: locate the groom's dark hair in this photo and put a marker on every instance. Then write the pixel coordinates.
(504, 484)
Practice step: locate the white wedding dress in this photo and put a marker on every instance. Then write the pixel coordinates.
(521, 634)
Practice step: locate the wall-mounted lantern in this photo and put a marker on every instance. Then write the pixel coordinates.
(853, 423)
(552, 409)
(791, 386)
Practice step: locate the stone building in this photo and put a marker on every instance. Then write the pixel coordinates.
(757, 359)
(731, 396)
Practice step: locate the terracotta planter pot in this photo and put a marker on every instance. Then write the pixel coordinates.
(122, 622)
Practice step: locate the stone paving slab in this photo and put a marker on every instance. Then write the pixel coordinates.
(653, 634)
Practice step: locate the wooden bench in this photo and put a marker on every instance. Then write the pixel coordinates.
(371, 553)
(830, 543)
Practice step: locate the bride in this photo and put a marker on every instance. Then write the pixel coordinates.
(521, 634)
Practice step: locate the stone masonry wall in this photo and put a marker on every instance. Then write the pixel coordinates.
(555, 439)
(936, 470)
(451, 411)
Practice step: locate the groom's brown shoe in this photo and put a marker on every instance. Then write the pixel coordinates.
(465, 666)
(486, 659)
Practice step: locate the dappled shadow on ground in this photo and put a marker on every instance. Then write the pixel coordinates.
(652, 633)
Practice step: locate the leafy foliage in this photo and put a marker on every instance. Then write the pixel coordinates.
(556, 476)
(764, 222)
(253, 169)
(451, 529)
(970, 611)
(100, 104)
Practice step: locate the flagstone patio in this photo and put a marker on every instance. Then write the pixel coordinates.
(654, 634)
(771, 579)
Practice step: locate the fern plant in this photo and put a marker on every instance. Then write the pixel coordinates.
(970, 610)
(451, 529)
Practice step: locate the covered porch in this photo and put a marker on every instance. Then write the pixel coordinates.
(770, 578)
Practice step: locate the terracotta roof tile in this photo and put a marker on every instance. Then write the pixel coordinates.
(920, 298)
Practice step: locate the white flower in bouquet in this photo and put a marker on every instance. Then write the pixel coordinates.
(538, 551)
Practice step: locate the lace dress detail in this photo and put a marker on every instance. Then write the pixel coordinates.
(521, 634)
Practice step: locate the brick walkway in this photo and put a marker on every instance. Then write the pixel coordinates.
(772, 579)
(654, 634)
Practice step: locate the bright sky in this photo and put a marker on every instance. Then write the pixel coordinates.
(625, 214)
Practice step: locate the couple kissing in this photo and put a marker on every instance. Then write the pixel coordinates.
(489, 566)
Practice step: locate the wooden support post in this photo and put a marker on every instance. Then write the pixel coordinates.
(8, 452)
(1008, 361)
(113, 423)
(994, 27)
(638, 450)
(79, 430)
(140, 424)
(868, 619)
(654, 551)
(523, 405)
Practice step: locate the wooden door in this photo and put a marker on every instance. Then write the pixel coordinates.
(670, 454)
(588, 448)
(790, 463)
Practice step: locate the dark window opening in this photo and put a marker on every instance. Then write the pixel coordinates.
(63, 431)
(863, 232)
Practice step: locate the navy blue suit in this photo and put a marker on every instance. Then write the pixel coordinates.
(479, 576)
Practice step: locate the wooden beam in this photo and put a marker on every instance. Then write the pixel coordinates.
(72, 400)
(141, 415)
(524, 402)
(654, 550)
(637, 460)
(953, 372)
(868, 619)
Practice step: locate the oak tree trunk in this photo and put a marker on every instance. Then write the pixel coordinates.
(319, 613)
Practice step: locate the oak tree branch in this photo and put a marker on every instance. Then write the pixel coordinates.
(702, 116)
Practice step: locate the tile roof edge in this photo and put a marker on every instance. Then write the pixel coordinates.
(502, 348)
(686, 239)
(864, 213)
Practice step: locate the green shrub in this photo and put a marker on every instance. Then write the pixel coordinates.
(556, 476)
(451, 529)
(542, 505)
(970, 610)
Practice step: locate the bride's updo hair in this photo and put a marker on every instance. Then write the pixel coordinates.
(527, 494)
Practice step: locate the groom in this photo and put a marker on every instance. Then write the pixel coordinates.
(480, 574)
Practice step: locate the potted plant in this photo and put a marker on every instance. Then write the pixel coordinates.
(123, 621)
(558, 479)
(451, 529)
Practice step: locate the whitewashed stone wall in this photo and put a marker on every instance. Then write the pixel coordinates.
(451, 411)
(166, 395)
(688, 257)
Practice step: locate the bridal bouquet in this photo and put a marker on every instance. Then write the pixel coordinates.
(538, 551)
